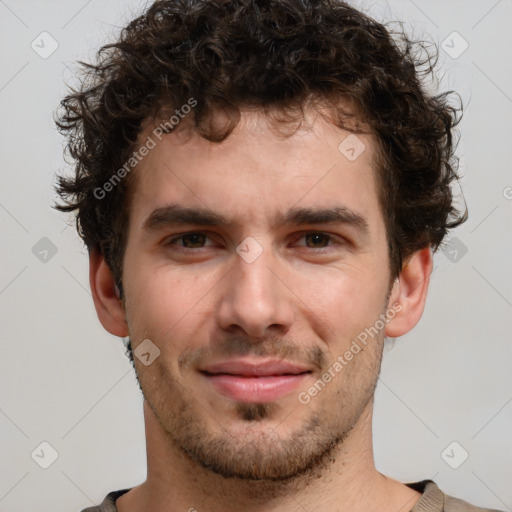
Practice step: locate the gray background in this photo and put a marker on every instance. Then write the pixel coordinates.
(67, 382)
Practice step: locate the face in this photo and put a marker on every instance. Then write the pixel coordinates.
(252, 266)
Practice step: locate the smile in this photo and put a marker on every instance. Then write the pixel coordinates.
(252, 382)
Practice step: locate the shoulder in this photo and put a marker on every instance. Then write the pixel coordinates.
(452, 504)
(434, 499)
(109, 503)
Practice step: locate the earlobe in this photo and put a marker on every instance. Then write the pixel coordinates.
(410, 291)
(109, 307)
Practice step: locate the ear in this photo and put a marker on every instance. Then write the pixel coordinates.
(109, 307)
(410, 291)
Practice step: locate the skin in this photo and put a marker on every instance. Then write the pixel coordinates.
(304, 299)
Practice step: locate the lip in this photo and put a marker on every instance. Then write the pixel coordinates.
(255, 381)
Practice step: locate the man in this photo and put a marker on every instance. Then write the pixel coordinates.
(260, 186)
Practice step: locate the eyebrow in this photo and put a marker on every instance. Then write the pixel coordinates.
(175, 215)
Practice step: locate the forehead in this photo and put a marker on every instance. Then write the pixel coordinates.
(259, 172)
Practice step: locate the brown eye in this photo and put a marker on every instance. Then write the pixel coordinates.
(317, 239)
(195, 239)
(188, 241)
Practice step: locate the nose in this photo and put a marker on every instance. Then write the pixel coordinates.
(256, 298)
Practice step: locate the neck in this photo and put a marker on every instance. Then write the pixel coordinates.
(340, 482)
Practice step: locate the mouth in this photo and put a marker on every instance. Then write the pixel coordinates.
(255, 381)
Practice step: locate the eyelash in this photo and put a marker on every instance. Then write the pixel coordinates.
(171, 241)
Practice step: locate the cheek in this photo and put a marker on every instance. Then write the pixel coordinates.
(347, 299)
(164, 304)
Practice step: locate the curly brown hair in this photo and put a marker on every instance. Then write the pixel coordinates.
(274, 56)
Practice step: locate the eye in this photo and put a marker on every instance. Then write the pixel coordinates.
(196, 239)
(192, 240)
(317, 239)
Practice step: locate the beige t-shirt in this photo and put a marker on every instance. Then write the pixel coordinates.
(432, 500)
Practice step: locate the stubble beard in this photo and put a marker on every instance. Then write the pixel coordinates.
(258, 453)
